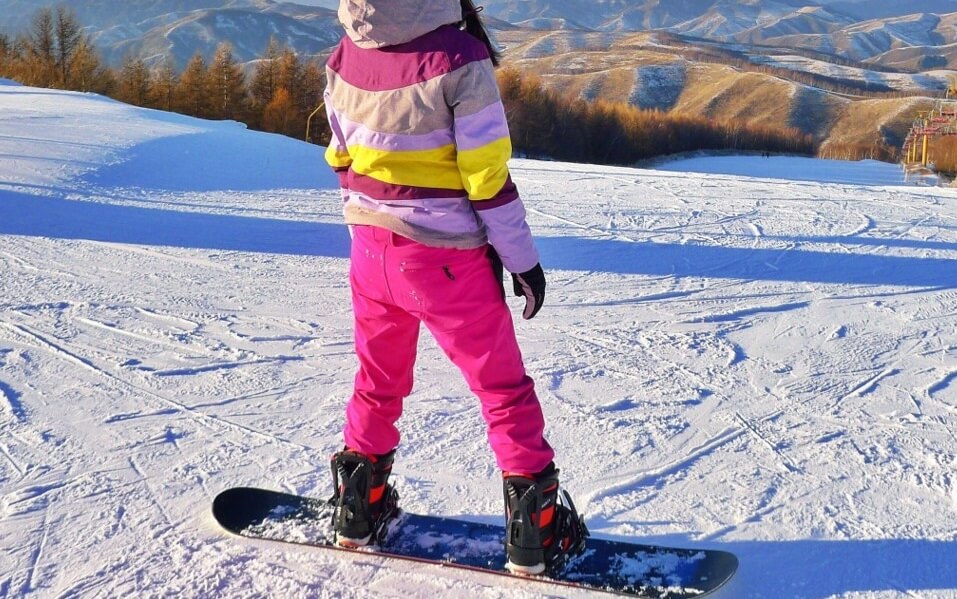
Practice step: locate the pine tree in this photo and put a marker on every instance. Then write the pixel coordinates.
(265, 80)
(228, 84)
(313, 83)
(134, 82)
(289, 75)
(192, 94)
(163, 85)
(292, 79)
(87, 71)
(280, 114)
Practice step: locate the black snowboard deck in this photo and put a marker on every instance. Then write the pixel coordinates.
(630, 569)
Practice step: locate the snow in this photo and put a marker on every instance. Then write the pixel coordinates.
(659, 86)
(752, 354)
(901, 81)
(865, 172)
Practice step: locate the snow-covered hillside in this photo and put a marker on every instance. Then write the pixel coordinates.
(900, 81)
(762, 362)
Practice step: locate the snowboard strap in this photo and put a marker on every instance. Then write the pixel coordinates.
(532, 510)
(570, 534)
(361, 494)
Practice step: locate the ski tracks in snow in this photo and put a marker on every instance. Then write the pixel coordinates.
(802, 356)
(170, 395)
(706, 372)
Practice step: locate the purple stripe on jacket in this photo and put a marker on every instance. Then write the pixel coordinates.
(508, 193)
(483, 127)
(358, 134)
(413, 62)
(381, 191)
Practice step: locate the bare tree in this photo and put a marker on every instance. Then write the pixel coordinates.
(6, 49)
(40, 43)
(69, 37)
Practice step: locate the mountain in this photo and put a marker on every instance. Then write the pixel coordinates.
(631, 15)
(869, 41)
(893, 35)
(864, 10)
(667, 72)
(154, 29)
(777, 62)
(102, 14)
(878, 33)
(808, 21)
(311, 31)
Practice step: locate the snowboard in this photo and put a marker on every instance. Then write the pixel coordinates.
(630, 569)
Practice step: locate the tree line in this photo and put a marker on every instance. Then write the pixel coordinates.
(282, 91)
(56, 53)
(277, 96)
(877, 150)
(546, 124)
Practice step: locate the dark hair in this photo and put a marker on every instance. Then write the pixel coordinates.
(473, 24)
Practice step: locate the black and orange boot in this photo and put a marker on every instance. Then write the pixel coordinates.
(543, 529)
(364, 501)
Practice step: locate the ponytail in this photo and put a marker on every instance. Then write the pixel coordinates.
(473, 24)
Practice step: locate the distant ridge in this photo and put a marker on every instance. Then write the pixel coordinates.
(795, 63)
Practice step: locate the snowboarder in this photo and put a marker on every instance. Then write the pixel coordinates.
(420, 143)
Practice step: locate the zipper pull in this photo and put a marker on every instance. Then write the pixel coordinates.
(448, 273)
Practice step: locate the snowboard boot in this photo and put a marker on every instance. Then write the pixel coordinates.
(543, 529)
(364, 501)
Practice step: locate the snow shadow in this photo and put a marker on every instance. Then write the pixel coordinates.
(818, 569)
(223, 157)
(38, 216)
(691, 260)
(790, 168)
(855, 240)
(41, 216)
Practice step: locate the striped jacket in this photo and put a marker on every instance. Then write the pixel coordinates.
(420, 140)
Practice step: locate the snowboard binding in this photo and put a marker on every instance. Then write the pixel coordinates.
(543, 528)
(363, 501)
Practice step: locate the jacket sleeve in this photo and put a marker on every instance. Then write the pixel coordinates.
(483, 148)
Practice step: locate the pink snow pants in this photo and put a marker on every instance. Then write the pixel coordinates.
(397, 284)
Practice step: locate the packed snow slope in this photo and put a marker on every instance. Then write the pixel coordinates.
(757, 355)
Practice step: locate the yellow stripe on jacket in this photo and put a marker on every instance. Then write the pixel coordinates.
(441, 168)
(484, 170)
(337, 158)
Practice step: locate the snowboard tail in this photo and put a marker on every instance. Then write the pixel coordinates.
(630, 569)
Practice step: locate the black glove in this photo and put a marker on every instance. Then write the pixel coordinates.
(531, 284)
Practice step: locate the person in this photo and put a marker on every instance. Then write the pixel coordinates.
(420, 143)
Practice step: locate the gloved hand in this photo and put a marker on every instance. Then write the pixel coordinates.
(531, 284)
